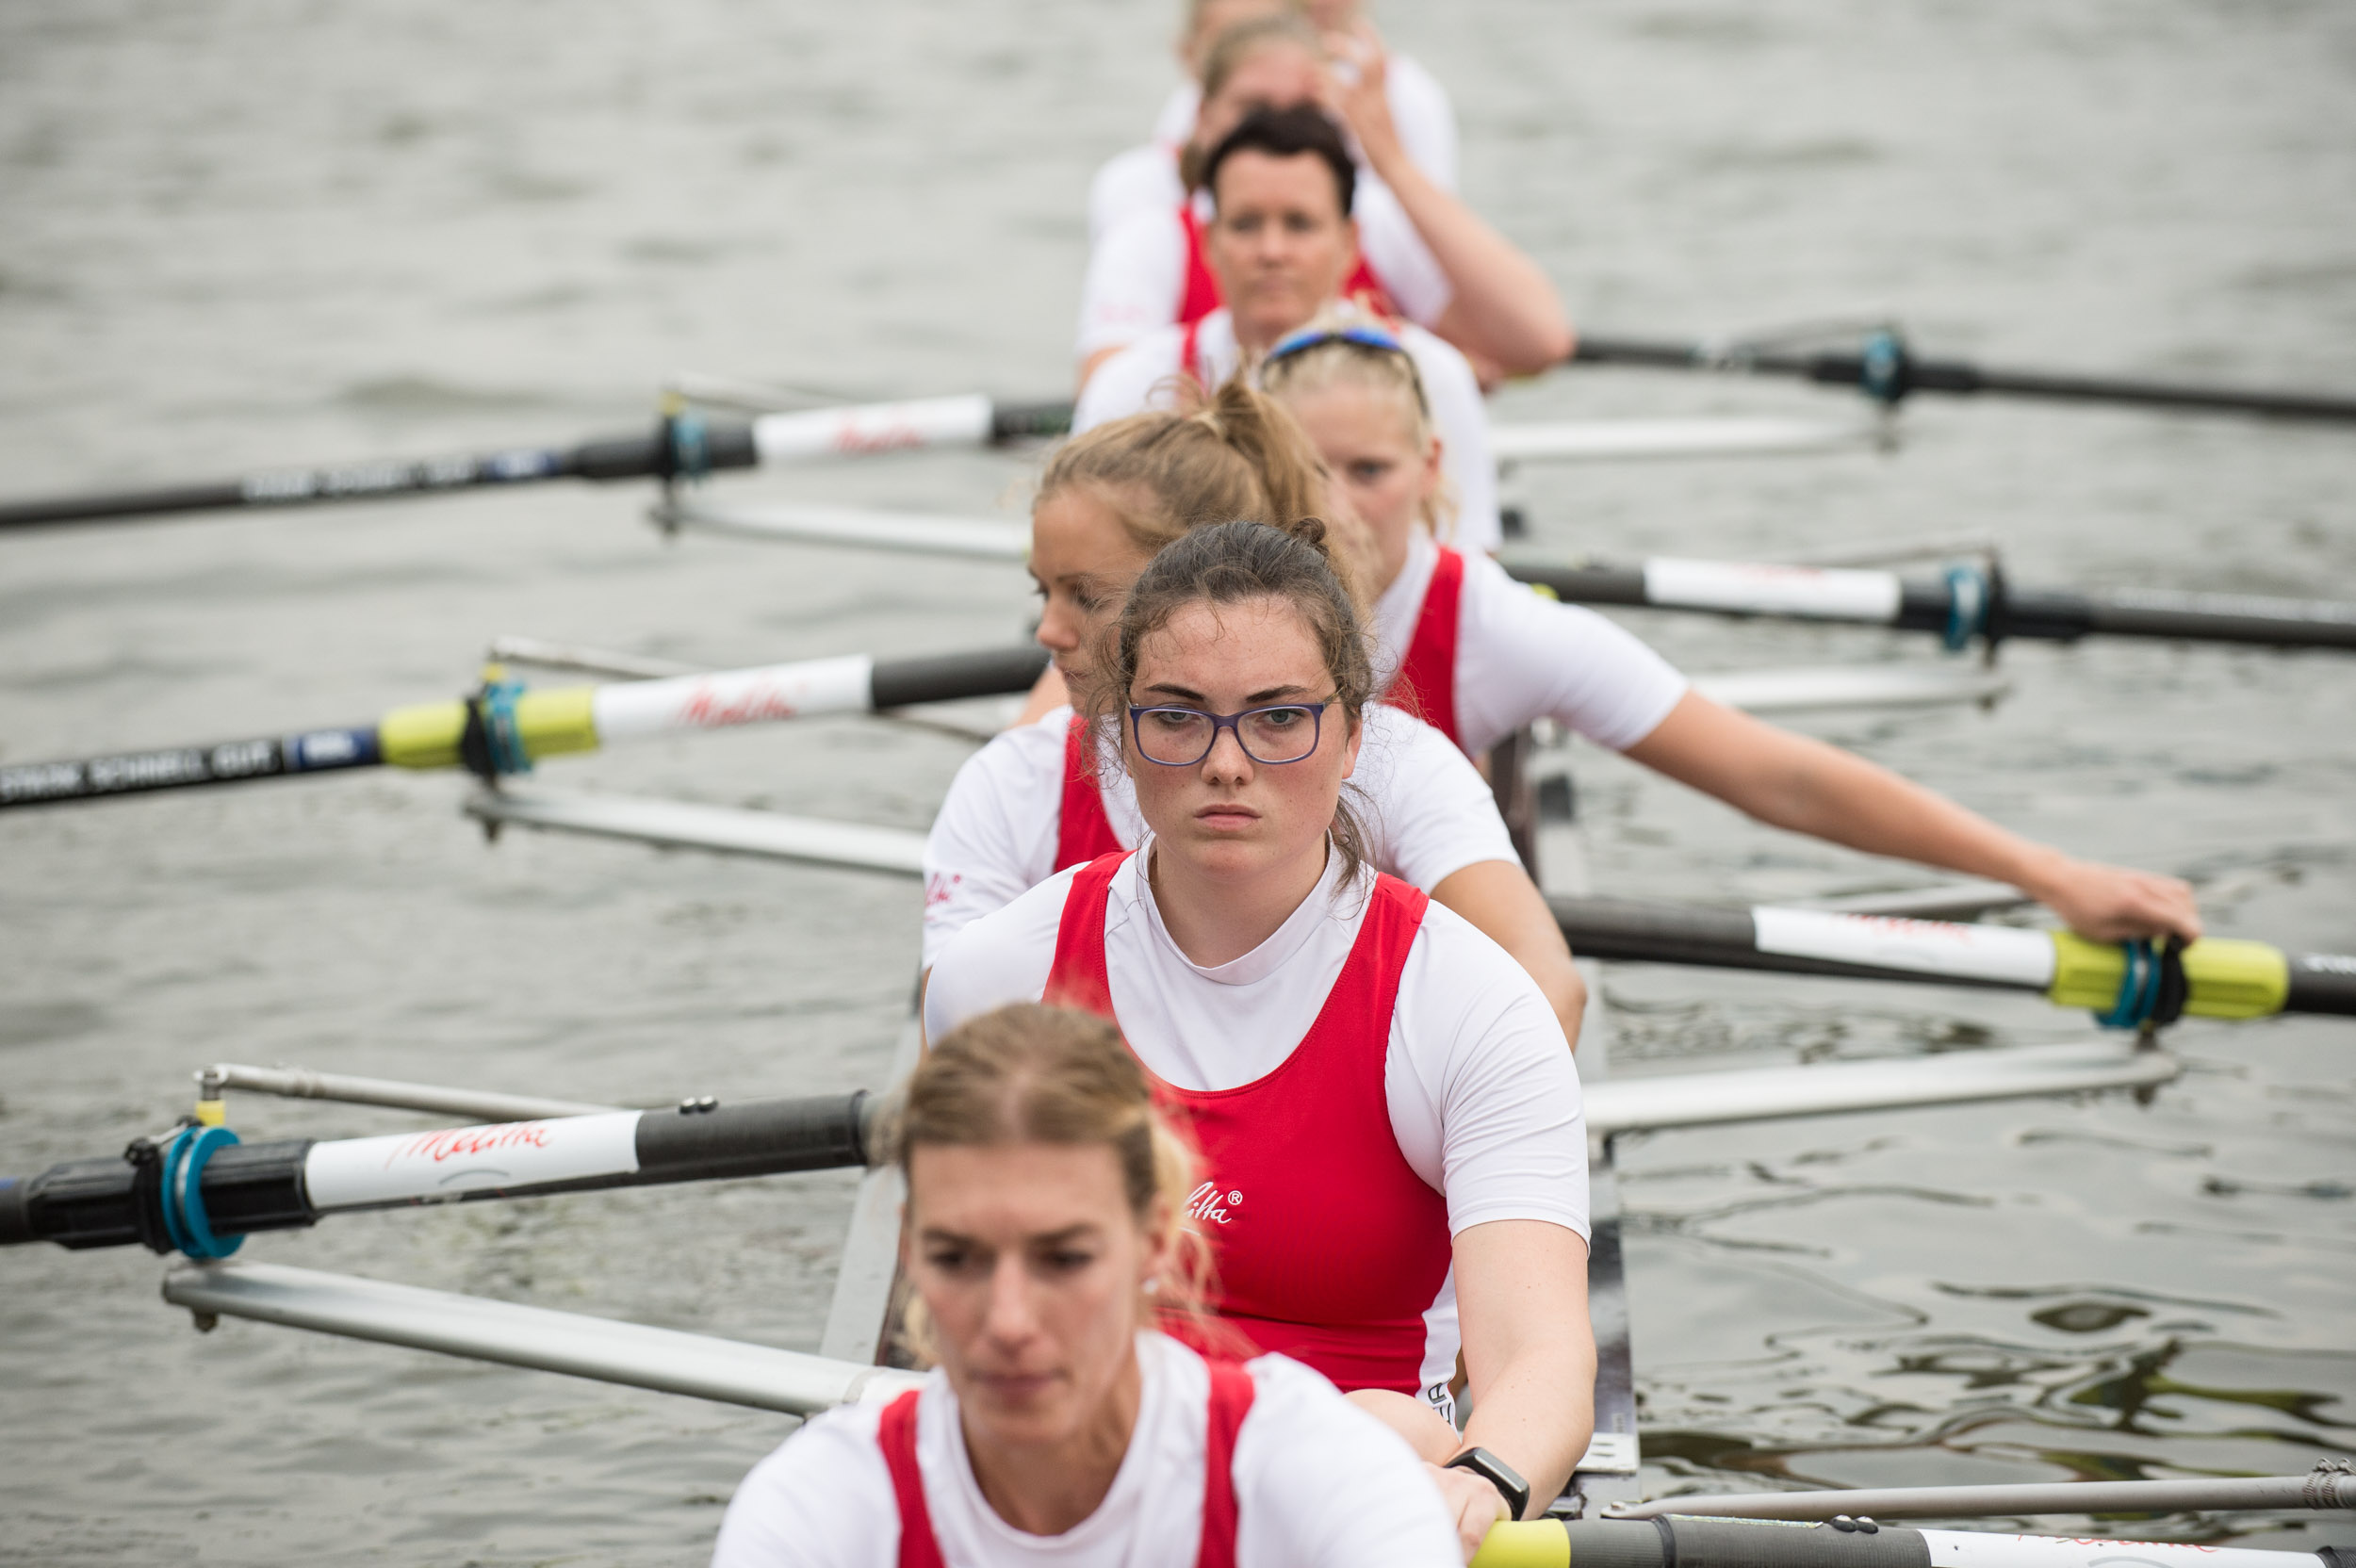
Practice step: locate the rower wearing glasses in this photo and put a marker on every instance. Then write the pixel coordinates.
(1281, 243)
(1394, 1151)
(1041, 798)
(1480, 656)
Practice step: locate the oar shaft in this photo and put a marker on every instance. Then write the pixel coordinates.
(2221, 978)
(685, 446)
(548, 723)
(1891, 377)
(1674, 1540)
(293, 1183)
(1958, 607)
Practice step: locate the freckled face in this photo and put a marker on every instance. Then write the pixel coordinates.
(1229, 817)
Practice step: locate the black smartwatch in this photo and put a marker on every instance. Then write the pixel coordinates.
(1499, 1474)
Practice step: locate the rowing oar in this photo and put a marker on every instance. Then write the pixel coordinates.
(1886, 372)
(197, 1190)
(1672, 1540)
(504, 729)
(1965, 603)
(681, 445)
(2130, 985)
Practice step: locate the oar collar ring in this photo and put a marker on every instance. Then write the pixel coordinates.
(182, 1191)
(2152, 988)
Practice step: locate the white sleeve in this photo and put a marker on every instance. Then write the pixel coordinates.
(1425, 117)
(1394, 248)
(1001, 957)
(1430, 812)
(1176, 122)
(1128, 183)
(1463, 430)
(1563, 660)
(823, 1499)
(1136, 281)
(995, 837)
(1124, 383)
(1486, 1051)
(1322, 1484)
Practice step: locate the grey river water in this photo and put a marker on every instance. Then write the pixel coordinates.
(241, 233)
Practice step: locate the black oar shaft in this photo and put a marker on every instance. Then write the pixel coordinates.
(1893, 376)
(278, 1185)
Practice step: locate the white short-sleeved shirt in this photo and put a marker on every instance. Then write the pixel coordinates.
(1140, 377)
(1483, 1098)
(1428, 815)
(1521, 655)
(1318, 1484)
(1136, 273)
(1420, 111)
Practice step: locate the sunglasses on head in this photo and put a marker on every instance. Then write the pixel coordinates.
(1310, 337)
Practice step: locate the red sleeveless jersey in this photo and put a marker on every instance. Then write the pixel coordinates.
(1329, 1247)
(1426, 682)
(1229, 1402)
(1201, 294)
(1083, 831)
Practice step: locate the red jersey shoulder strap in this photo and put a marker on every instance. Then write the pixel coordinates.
(1083, 831)
(1367, 290)
(895, 1434)
(1079, 977)
(1426, 685)
(1201, 294)
(1229, 1402)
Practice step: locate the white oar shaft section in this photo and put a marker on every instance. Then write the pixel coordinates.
(1619, 440)
(456, 1162)
(634, 709)
(905, 532)
(1988, 955)
(1813, 593)
(2318, 1489)
(862, 429)
(630, 1354)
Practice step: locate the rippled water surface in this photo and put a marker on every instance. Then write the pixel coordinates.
(235, 234)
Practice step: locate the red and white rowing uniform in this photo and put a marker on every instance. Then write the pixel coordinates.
(1479, 655)
(1261, 1465)
(1026, 807)
(1144, 271)
(1143, 375)
(1373, 1079)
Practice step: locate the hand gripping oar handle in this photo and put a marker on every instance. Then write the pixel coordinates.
(2125, 983)
(533, 725)
(1966, 604)
(289, 1184)
(1885, 371)
(1678, 1540)
(681, 445)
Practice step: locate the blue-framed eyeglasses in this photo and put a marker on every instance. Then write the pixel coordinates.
(1309, 337)
(1271, 736)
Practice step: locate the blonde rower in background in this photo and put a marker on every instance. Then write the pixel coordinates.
(1480, 656)
(1046, 1244)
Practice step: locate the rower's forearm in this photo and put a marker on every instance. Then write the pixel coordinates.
(1500, 298)
(1538, 1416)
(1841, 797)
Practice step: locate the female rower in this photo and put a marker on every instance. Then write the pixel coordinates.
(1481, 656)
(1045, 1233)
(1426, 253)
(1395, 1154)
(1036, 800)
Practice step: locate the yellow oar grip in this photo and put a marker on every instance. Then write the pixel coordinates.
(2235, 979)
(2223, 978)
(1539, 1543)
(553, 723)
(549, 723)
(423, 735)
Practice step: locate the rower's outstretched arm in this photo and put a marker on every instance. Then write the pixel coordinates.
(1505, 310)
(1809, 787)
(1499, 898)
